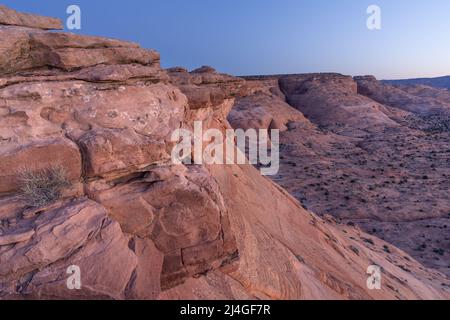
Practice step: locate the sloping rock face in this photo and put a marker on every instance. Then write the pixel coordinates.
(132, 223)
(423, 91)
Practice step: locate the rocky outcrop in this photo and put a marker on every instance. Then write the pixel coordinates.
(78, 233)
(398, 98)
(35, 156)
(263, 107)
(210, 94)
(14, 18)
(181, 210)
(319, 259)
(137, 226)
(333, 100)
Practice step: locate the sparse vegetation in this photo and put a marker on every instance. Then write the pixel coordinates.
(40, 188)
(440, 252)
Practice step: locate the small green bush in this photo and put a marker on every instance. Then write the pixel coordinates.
(40, 188)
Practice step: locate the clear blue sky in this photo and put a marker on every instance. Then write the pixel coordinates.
(274, 36)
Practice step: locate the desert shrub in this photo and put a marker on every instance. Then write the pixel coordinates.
(40, 188)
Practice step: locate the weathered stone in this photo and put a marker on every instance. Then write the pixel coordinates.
(75, 58)
(109, 151)
(14, 238)
(180, 210)
(26, 49)
(15, 50)
(151, 230)
(146, 281)
(12, 17)
(76, 234)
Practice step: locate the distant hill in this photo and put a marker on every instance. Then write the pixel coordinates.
(440, 82)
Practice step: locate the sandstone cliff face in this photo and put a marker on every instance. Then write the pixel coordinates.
(137, 226)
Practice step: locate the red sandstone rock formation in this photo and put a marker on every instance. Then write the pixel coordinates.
(138, 226)
(382, 165)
